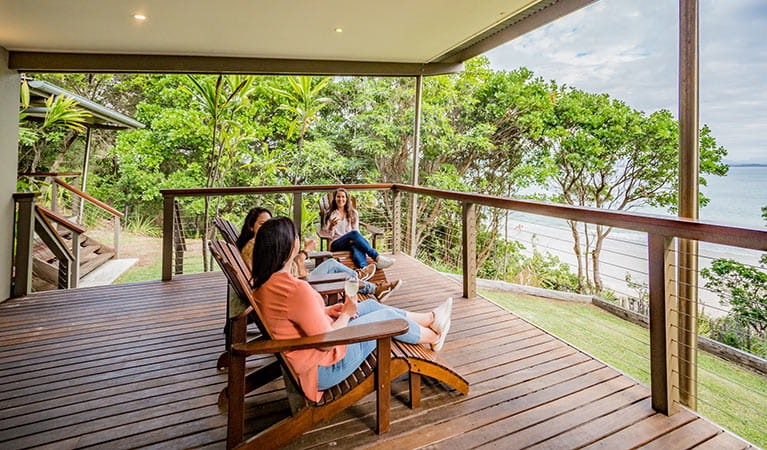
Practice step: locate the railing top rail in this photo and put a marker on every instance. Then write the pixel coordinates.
(87, 197)
(60, 220)
(202, 192)
(661, 225)
(49, 174)
(647, 223)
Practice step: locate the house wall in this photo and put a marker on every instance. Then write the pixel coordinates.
(9, 137)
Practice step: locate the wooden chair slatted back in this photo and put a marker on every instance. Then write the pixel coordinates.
(227, 229)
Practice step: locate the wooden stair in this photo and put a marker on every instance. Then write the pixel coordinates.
(45, 265)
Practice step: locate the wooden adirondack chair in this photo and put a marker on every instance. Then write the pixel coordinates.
(326, 285)
(383, 363)
(324, 203)
(420, 361)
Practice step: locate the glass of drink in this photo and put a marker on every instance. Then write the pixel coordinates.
(351, 286)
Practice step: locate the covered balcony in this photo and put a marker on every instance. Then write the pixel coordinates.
(135, 365)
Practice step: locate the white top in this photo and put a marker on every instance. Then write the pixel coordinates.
(341, 227)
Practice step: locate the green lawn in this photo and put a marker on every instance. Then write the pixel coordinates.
(729, 395)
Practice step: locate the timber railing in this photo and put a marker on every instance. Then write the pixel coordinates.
(79, 207)
(672, 341)
(33, 220)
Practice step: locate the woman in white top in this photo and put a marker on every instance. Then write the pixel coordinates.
(343, 224)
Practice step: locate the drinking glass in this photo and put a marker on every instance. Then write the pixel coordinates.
(351, 286)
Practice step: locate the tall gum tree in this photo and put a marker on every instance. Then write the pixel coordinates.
(604, 154)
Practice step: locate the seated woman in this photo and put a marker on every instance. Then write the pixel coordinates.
(257, 216)
(292, 309)
(343, 225)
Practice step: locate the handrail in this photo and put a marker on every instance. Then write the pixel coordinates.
(87, 197)
(49, 174)
(202, 192)
(647, 223)
(61, 220)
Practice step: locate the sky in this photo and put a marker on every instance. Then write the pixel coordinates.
(629, 49)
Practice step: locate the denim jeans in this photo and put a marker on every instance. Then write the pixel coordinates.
(331, 265)
(369, 311)
(354, 242)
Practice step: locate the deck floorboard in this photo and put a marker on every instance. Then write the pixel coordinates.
(134, 366)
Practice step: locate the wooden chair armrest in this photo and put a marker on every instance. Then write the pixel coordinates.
(327, 278)
(344, 336)
(372, 229)
(319, 257)
(324, 234)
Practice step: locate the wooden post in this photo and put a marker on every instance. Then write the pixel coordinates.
(297, 212)
(116, 222)
(167, 237)
(74, 271)
(689, 157)
(54, 197)
(22, 282)
(663, 319)
(86, 158)
(469, 234)
(413, 219)
(383, 383)
(396, 226)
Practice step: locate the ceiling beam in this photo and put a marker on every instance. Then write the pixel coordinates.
(525, 21)
(118, 63)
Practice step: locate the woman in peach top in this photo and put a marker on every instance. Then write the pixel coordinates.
(292, 309)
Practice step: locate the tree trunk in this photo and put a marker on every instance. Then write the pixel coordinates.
(577, 251)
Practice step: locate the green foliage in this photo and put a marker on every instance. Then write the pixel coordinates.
(743, 288)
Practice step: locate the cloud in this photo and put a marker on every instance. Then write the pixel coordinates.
(629, 49)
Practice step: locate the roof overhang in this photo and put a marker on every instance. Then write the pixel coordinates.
(101, 116)
(393, 38)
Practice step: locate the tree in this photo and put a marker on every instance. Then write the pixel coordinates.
(743, 288)
(220, 100)
(604, 154)
(304, 105)
(61, 113)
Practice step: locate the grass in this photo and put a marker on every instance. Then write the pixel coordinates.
(727, 394)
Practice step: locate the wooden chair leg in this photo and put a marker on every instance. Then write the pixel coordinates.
(253, 381)
(236, 389)
(415, 390)
(383, 385)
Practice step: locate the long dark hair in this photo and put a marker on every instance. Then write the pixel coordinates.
(274, 242)
(351, 213)
(246, 233)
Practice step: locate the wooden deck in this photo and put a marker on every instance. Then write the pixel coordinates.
(134, 366)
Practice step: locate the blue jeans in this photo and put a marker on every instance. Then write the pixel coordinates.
(369, 311)
(331, 265)
(354, 242)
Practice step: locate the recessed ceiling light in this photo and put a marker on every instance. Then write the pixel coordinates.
(339, 30)
(139, 17)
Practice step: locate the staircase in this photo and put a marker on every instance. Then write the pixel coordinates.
(45, 264)
(56, 245)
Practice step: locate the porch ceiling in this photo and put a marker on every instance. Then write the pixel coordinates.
(396, 31)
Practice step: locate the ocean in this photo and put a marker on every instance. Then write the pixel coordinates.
(735, 199)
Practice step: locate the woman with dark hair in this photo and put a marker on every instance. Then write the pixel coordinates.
(292, 309)
(245, 242)
(253, 221)
(343, 224)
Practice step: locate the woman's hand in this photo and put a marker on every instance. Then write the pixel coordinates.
(350, 306)
(334, 310)
(310, 245)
